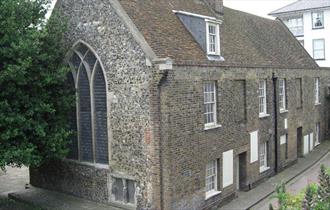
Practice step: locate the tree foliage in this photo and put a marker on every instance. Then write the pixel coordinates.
(34, 98)
(315, 197)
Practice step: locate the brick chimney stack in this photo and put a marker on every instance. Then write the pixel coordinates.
(216, 5)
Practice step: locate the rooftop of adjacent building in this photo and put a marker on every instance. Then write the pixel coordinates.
(302, 5)
(246, 40)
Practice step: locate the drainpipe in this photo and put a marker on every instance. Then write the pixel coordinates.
(163, 65)
(274, 78)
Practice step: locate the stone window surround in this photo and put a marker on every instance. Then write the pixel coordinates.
(90, 77)
(121, 204)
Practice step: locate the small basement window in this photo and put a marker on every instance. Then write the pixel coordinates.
(123, 190)
(212, 38)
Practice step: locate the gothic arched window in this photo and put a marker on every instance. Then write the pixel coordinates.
(90, 121)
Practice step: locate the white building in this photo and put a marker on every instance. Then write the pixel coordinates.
(309, 22)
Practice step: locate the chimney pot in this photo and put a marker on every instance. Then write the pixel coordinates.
(216, 5)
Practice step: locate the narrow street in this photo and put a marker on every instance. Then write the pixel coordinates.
(298, 183)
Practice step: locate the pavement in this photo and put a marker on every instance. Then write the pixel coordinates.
(50, 200)
(13, 180)
(12, 186)
(297, 177)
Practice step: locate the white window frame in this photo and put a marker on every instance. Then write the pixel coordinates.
(317, 134)
(295, 25)
(317, 90)
(322, 19)
(263, 160)
(217, 37)
(282, 94)
(262, 98)
(207, 93)
(321, 49)
(213, 176)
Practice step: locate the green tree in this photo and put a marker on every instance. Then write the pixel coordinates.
(324, 182)
(310, 197)
(34, 98)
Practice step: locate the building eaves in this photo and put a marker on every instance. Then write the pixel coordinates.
(302, 5)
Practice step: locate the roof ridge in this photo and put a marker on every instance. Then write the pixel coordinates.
(250, 14)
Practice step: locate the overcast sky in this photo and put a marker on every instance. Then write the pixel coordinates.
(257, 7)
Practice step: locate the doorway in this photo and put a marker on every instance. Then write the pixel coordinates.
(241, 171)
(299, 142)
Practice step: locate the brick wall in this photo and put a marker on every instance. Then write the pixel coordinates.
(188, 147)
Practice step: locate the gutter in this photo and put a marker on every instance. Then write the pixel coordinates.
(274, 78)
(290, 13)
(163, 66)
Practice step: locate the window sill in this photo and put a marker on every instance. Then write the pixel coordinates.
(319, 59)
(283, 111)
(263, 169)
(213, 54)
(210, 127)
(263, 115)
(317, 28)
(95, 165)
(317, 104)
(211, 194)
(123, 205)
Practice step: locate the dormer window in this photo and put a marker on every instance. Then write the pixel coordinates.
(213, 38)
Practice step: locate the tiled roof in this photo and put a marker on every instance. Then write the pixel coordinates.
(302, 5)
(247, 40)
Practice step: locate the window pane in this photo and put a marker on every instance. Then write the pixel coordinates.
(263, 155)
(211, 176)
(118, 189)
(262, 97)
(318, 44)
(130, 191)
(211, 29)
(318, 54)
(209, 102)
(318, 20)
